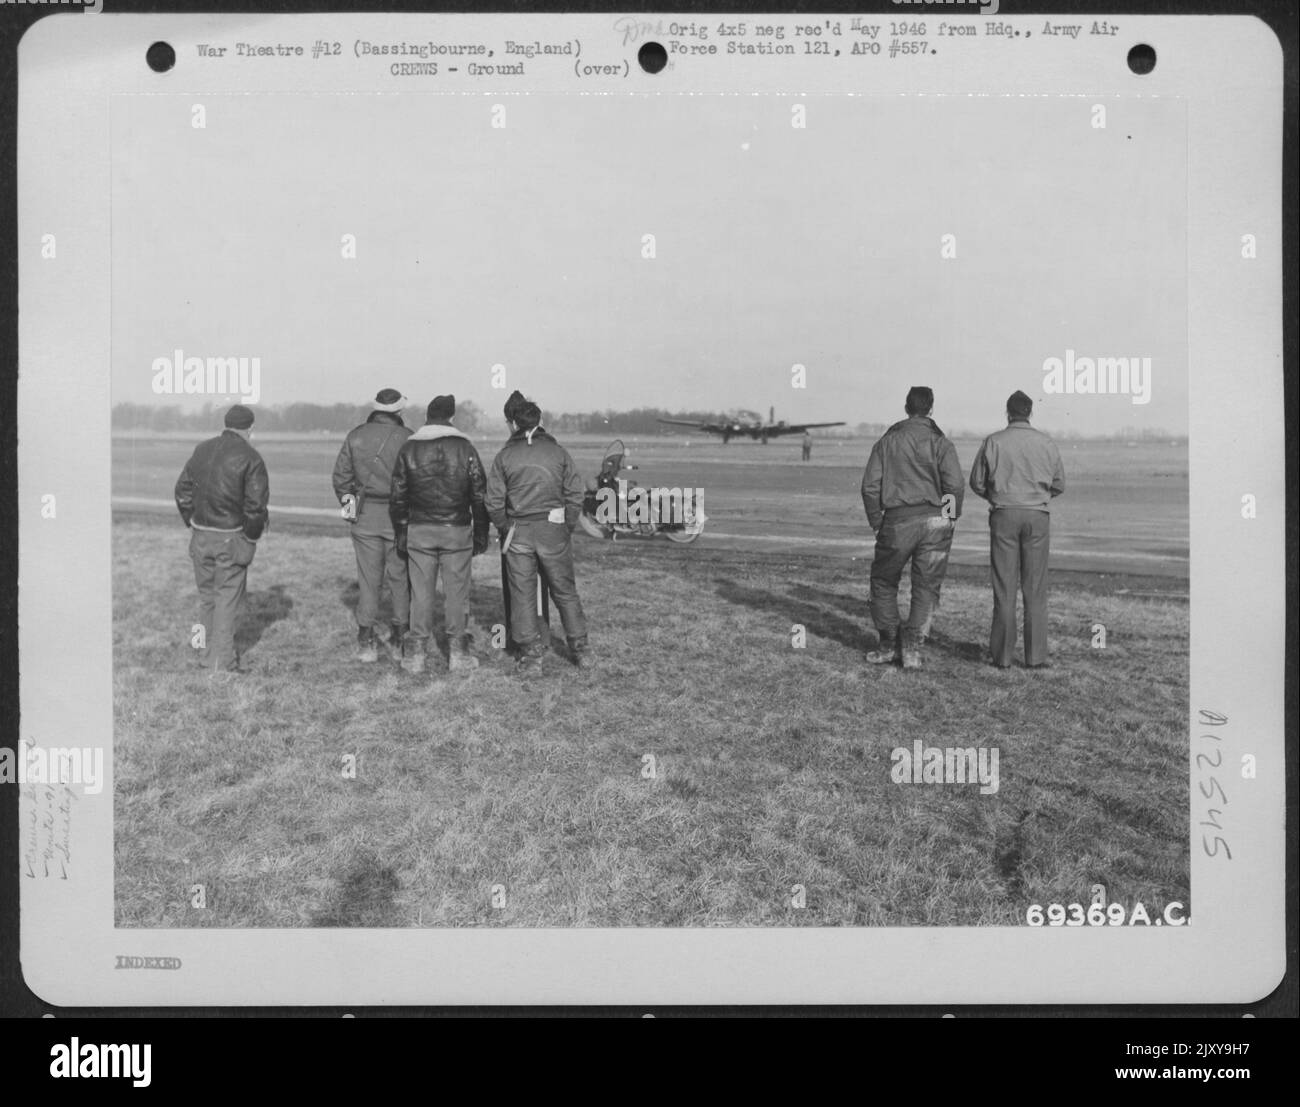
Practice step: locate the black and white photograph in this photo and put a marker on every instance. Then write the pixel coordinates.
(575, 475)
(926, 665)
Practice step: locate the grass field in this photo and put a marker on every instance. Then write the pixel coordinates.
(772, 764)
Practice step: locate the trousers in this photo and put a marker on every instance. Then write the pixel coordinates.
(378, 565)
(432, 548)
(547, 546)
(1019, 540)
(925, 541)
(221, 560)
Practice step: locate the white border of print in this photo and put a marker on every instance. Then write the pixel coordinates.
(1227, 70)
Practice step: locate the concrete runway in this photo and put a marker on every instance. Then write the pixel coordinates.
(1125, 509)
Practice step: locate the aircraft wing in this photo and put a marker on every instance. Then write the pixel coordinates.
(712, 428)
(798, 428)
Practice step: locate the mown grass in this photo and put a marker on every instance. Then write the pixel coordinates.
(772, 764)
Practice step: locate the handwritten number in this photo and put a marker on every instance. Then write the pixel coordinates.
(1214, 852)
(1210, 794)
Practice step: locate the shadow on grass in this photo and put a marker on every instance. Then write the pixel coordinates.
(853, 633)
(861, 609)
(967, 651)
(261, 610)
(853, 606)
(362, 896)
(851, 626)
(486, 612)
(351, 599)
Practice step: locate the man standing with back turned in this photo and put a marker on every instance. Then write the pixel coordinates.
(1019, 471)
(222, 495)
(438, 515)
(363, 475)
(912, 490)
(534, 497)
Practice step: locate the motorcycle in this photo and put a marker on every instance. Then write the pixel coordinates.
(618, 507)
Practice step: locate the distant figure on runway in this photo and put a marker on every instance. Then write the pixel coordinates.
(534, 495)
(1019, 471)
(807, 446)
(362, 476)
(222, 495)
(912, 490)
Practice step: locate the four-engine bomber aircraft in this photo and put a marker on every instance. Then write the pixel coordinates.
(750, 423)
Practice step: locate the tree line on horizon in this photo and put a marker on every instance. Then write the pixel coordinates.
(308, 418)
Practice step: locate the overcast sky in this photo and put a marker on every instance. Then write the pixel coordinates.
(775, 246)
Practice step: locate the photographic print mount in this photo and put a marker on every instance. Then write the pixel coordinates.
(168, 175)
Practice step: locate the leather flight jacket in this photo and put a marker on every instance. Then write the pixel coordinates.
(224, 487)
(364, 467)
(912, 470)
(439, 479)
(532, 476)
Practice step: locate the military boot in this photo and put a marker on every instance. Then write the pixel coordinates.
(413, 656)
(396, 637)
(530, 659)
(367, 647)
(884, 654)
(459, 658)
(583, 658)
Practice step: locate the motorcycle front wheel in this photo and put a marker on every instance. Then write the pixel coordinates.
(684, 536)
(695, 520)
